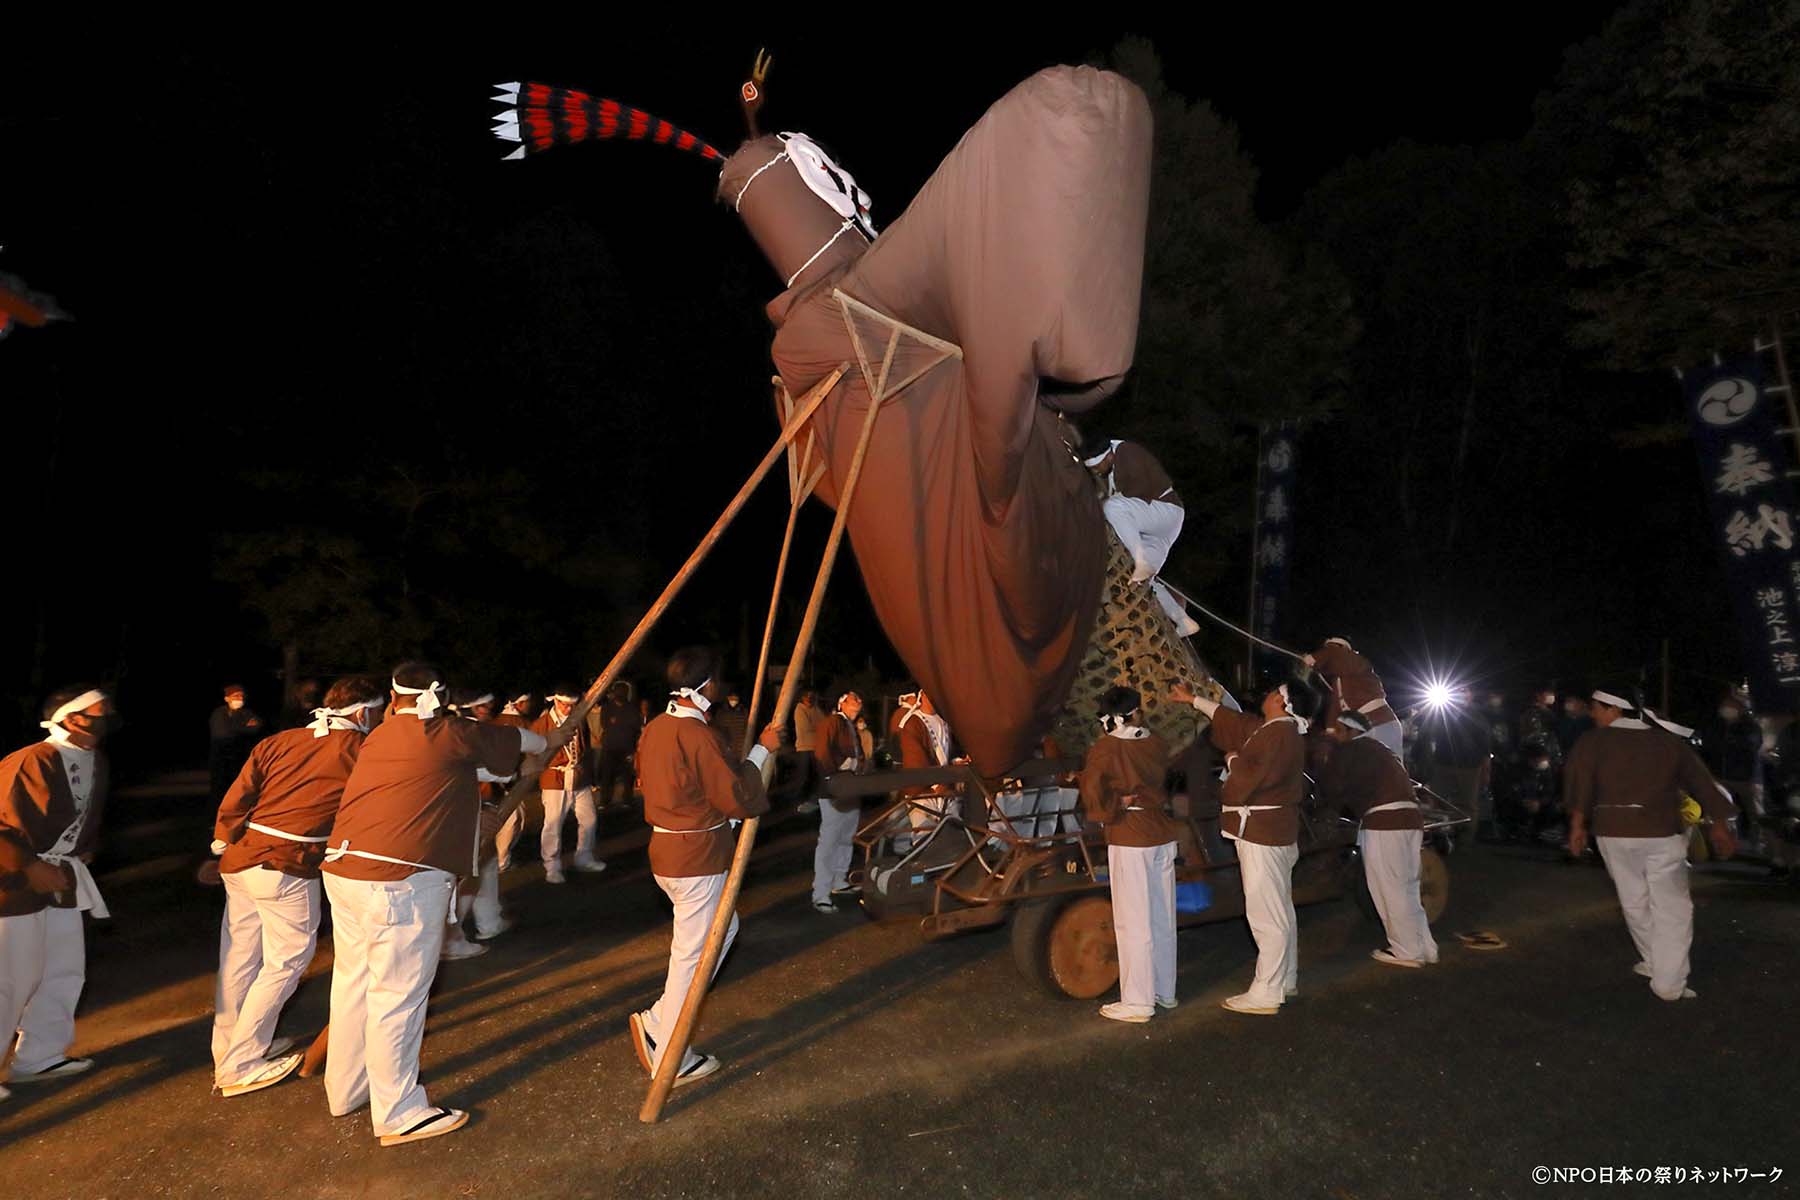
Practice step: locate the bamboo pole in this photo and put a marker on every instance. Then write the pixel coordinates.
(559, 737)
(528, 773)
(675, 1047)
(762, 657)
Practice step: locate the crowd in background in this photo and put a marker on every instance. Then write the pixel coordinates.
(1503, 760)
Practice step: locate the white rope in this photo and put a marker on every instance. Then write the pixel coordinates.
(1189, 602)
(737, 203)
(849, 223)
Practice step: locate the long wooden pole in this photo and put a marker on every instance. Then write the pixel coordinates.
(762, 657)
(675, 1047)
(803, 411)
(559, 737)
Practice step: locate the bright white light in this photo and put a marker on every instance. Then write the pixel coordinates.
(1438, 694)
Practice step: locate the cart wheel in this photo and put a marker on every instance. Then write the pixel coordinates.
(1066, 946)
(1434, 886)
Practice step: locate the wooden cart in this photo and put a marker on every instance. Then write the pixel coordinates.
(974, 853)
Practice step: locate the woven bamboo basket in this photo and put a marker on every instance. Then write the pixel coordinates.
(1135, 644)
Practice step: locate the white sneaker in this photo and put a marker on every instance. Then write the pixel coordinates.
(1643, 969)
(642, 1042)
(1120, 1011)
(702, 1066)
(267, 1076)
(440, 1122)
(1388, 958)
(554, 874)
(1243, 1003)
(56, 1070)
(1167, 1002)
(592, 866)
(824, 906)
(487, 935)
(461, 948)
(1686, 994)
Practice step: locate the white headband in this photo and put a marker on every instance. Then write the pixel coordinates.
(87, 699)
(477, 702)
(428, 704)
(328, 719)
(692, 695)
(1287, 706)
(1339, 642)
(562, 696)
(1100, 457)
(1616, 701)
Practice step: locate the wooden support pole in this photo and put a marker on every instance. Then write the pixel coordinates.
(675, 1046)
(528, 773)
(762, 657)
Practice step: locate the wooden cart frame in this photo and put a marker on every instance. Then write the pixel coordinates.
(975, 853)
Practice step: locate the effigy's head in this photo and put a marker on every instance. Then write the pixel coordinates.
(804, 212)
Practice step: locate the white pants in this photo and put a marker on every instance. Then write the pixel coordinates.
(46, 1020)
(557, 803)
(696, 898)
(1389, 734)
(266, 940)
(1143, 902)
(837, 846)
(488, 914)
(386, 937)
(21, 971)
(1391, 865)
(1268, 874)
(1147, 529)
(1651, 877)
(508, 834)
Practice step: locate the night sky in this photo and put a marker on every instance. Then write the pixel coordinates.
(297, 264)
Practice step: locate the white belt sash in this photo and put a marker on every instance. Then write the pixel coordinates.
(62, 854)
(1371, 706)
(1393, 807)
(344, 851)
(284, 835)
(1244, 811)
(87, 892)
(708, 829)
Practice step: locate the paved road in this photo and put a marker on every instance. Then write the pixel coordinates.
(862, 1062)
